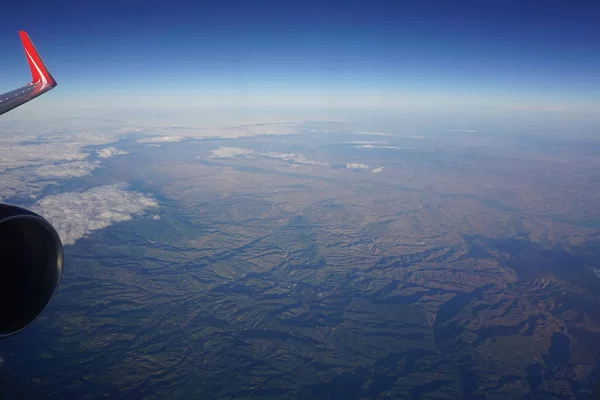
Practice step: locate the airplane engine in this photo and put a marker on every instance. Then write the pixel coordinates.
(31, 253)
(31, 263)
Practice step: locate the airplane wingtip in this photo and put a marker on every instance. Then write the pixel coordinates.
(39, 72)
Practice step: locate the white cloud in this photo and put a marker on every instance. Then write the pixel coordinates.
(463, 130)
(25, 158)
(361, 142)
(67, 170)
(156, 217)
(154, 145)
(39, 154)
(82, 137)
(110, 152)
(412, 136)
(551, 109)
(357, 166)
(229, 152)
(296, 158)
(19, 183)
(373, 133)
(363, 166)
(372, 146)
(214, 129)
(160, 139)
(76, 214)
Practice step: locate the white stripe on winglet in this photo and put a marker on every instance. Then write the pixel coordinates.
(44, 80)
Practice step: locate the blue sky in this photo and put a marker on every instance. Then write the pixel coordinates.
(368, 54)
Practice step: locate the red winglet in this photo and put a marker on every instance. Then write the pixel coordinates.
(39, 73)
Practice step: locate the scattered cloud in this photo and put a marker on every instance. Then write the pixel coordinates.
(361, 142)
(463, 130)
(229, 152)
(372, 146)
(373, 133)
(217, 130)
(74, 169)
(18, 156)
(363, 166)
(551, 109)
(154, 145)
(156, 217)
(27, 160)
(76, 214)
(20, 183)
(412, 136)
(160, 139)
(110, 152)
(294, 157)
(357, 166)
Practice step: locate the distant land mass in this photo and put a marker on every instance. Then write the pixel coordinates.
(320, 262)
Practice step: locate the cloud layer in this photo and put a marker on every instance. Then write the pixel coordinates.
(31, 162)
(357, 166)
(361, 142)
(18, 156)
(373, 133)
(160, 139)
(75, 214)
(296, 158)
(74, 169)
(229, 152)
(373, 146)
(364, 167)
(110, 152)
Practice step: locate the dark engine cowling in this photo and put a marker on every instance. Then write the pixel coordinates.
(31, 263)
